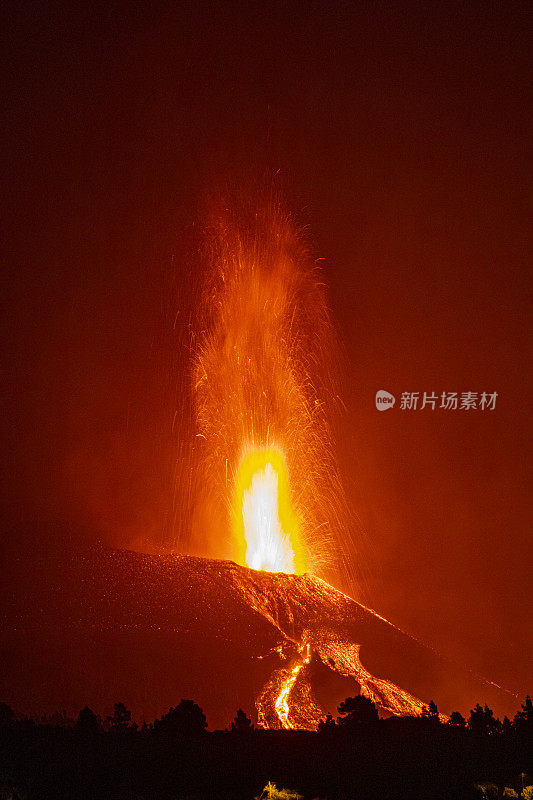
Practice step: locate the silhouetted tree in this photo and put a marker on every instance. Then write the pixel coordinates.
(327, 724)
(431, 712)
(482, 721)
(524, 719)
(457, 720)
(241, 723)
(7, 715)
(59, 719)
(356, 710)
(186, 719)
(121, 718)
(507, 725)
(87, 721)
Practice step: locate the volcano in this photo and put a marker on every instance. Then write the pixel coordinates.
(100, 625)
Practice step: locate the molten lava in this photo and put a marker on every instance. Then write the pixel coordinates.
(264, 391)
(265, 528)
(282, 703)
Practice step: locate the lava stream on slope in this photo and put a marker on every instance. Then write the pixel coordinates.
(150, 629)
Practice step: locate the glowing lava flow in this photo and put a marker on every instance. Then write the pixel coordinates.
(320, 623)
(282, 703)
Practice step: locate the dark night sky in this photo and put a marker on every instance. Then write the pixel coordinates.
(401, 133)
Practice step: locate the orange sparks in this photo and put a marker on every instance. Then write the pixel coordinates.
(264, 391)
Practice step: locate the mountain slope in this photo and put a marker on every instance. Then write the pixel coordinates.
(100, 625)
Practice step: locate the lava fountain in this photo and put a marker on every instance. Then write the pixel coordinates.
(266, 531)
(264, 384)
(264, 389)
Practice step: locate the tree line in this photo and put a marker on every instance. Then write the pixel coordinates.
(187, 718)
(357, 755)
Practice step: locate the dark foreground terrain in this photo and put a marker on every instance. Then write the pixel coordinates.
(396, 758)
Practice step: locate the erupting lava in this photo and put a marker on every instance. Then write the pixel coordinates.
(264, 391)
(264, 523)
